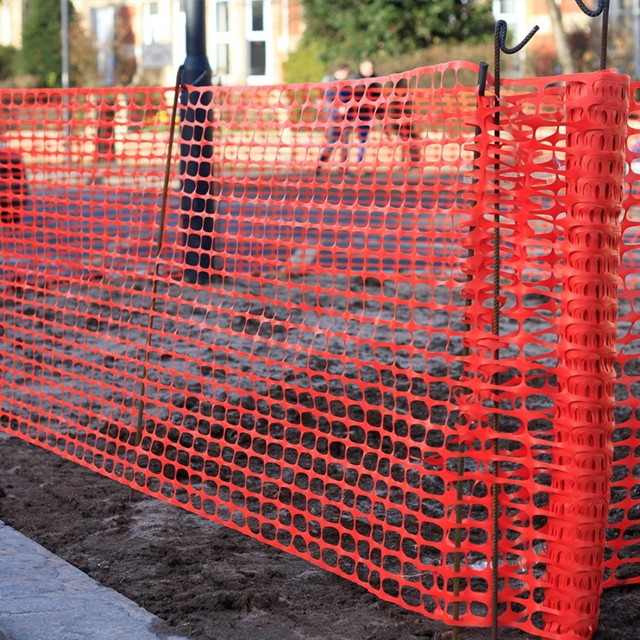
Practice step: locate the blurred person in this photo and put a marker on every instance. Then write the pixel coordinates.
(401, 122)
(336, 97)
(342, 71)
(366, 96)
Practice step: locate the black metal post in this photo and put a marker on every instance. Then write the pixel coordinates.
(196, 69)
(197, 203)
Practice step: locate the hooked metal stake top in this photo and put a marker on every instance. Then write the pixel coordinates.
(501, 38)
(500, 45)
(593, 13)
(603, 8)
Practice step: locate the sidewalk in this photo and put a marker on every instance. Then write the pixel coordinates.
(42, 597)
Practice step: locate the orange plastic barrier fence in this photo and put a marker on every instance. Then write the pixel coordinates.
(372, 323)
(622, 549)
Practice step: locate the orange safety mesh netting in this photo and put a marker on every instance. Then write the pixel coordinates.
(303, 336)
(622, 551)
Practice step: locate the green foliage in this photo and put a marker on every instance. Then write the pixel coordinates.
(41, 53)
(305, 64)
(354, 29)
(7, 61)
(442, 52)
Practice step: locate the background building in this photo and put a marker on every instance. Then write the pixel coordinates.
(142, 42)
(11, 22)
(247, 40)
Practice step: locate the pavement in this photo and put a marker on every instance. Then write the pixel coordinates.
(42, 597)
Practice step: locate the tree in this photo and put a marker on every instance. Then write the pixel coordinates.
(7, 61)
(561, 39)
(304, 65)
(41, 53)
(624, 38)
(353, 29)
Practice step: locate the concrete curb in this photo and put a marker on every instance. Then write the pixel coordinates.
(42, 597)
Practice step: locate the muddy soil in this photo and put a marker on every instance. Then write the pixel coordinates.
(207, 581)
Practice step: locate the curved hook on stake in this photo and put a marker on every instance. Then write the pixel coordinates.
(500, 45)
(603, 8)
(501, 38)
(593, 13)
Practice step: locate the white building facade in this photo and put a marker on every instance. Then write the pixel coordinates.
(247, 40)
(11, 23)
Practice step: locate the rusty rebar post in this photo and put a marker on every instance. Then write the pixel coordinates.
(156, 255)
(457, 558)
(500, 46)
(603, 9)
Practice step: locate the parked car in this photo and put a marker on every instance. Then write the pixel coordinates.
(14, 188)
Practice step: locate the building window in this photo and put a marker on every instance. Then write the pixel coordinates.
(103, 28)
(222, 59)
(257, 15)
(259, 37)
(155, 27)
(222, 16)
(258, 58)
(508, 6)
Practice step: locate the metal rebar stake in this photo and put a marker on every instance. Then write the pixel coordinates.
(154, 276)
(457, 558)
(603, 8)
(500, 39)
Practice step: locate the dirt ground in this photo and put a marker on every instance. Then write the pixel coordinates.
(209, 582)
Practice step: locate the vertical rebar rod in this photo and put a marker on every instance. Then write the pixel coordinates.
(603, 8)
(457, 558)
(495, 330)
(500, 39)
(156, 254)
